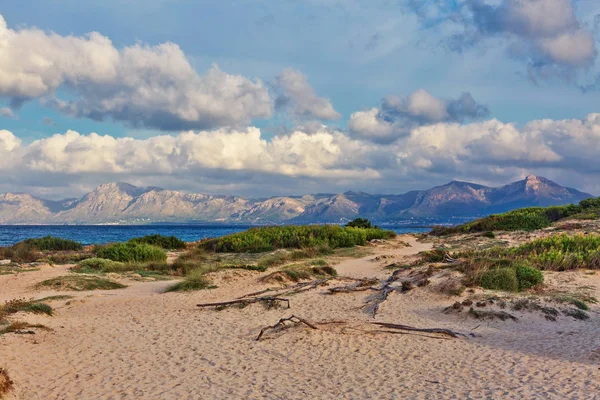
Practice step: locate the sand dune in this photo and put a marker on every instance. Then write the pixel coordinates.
(137, 343)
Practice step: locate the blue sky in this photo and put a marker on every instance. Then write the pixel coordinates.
(352, 55)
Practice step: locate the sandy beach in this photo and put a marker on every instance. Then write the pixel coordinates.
(140, 343)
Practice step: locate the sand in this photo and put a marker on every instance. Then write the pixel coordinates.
(138, 343)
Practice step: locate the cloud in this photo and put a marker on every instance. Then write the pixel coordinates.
(6, 112)
(299, 98)
(398, 116)
(545, 33)
(147, 86)
(322, 160)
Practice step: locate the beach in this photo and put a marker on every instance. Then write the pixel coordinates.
(140, 343)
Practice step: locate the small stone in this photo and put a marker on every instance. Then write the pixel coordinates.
(482, 303)
(467, 302)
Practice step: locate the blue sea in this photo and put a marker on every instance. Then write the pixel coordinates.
(99, 234)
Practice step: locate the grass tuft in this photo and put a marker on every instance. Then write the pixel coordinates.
(79, 283)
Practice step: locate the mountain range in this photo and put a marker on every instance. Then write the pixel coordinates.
(122, 203)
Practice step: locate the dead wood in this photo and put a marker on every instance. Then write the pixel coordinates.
(270, 301)
(443, 331)
(282, 324)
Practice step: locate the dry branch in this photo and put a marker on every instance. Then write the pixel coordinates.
(267, 300)
(281, 324)
(413, 329)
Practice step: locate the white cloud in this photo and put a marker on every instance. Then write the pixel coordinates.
(152, 86)
(398, 116)
(299, 98)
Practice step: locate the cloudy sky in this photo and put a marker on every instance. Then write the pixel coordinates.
(263, 97)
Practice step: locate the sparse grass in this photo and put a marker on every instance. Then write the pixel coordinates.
(131, 252)
(22, 305)
(576, 313)
(80, 283)
(257, 240)
(296, 273)
(195, 280)
(20, 327)
(573, 301)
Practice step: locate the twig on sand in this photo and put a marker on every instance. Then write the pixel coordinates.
(282, 324)
(267, 300)
(443, 331)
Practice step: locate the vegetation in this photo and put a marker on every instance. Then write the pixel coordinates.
(194, 281)
(256, 240)
(19, 327)
(500, 279)
(360, 223)
(79, 283)
(21, 305)
(164, 242)
(6, 384)
(526, 219)
(130, 252)
(50, 243)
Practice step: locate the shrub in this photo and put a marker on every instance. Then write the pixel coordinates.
(256, 240)
(132, 252)
(500, 279)
(528, 277)
(20, 253)
(194, 281)
(18, 305)
(164, 242)
(489, 234)
(50, 243)
(360, 223)
(526, 219)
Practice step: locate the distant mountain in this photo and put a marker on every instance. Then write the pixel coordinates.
(127, 204)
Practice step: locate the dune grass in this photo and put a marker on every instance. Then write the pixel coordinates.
(195, 280)
(22, 305)
(131, 252)
(79, 283)
(164, 242)
(526, 219)
(264, 239)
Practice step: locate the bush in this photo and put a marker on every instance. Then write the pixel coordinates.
(500, 279)
(132, 252)
(257, 240)
(50, 243)
(526, 219)
(164, 242)
(489, 234)
(528, 277)
(360, 223)
(194, 281)
(20, 253)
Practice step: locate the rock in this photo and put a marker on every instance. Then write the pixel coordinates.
(482, 303)
(5, 262)
(467, 302)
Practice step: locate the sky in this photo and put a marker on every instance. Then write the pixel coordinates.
(262, 98)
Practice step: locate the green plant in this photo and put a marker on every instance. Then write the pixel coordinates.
(80, 283)
(164, 242)
(50, 243)
(132, 252)
(360, 223)
(194, 281)
(489, 234)
(257, 240)
(500, 279)
(528, 277)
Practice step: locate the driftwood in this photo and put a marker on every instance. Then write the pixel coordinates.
(267, 300)
(281, 324)
(391, 328)
(443, 331)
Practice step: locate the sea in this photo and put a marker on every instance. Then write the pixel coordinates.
(101, 234)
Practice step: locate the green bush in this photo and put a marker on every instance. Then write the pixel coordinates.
(194, 281)
(526, 219)
(164, 242)
(500, 279)
(360, 223)
(528, 277)
(50, 243)
(257, 240)
(132, 252)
